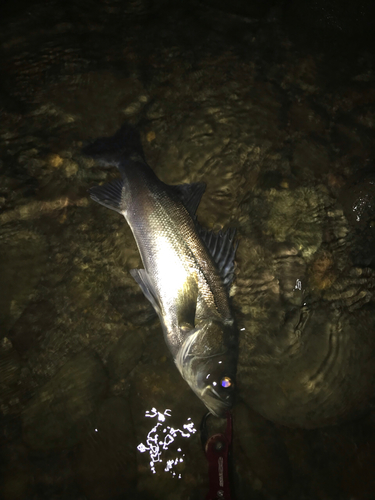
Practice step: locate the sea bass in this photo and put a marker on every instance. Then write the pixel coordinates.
(187, 269)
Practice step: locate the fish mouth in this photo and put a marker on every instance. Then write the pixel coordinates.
(215, 404)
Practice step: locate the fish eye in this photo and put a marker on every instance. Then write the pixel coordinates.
(226, 382)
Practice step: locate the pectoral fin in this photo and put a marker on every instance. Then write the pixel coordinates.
(186, 301)
(143, 280)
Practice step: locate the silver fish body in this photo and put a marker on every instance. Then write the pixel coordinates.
(186, 272)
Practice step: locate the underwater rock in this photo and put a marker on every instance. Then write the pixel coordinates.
(329, 21)
(10, 408)
(57, 414)
(253, 10)
(265, 453)
(315, 370)
(128, 301)
(22, 263)
(16, 474)
(53, 476)
(295, 217)
(124, 356)
(105, 462)
(10, 365)
(305, 313)
(357, 478)
(358, 200)
(303, 117)
(36, 320)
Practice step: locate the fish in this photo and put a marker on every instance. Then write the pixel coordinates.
(187, 269)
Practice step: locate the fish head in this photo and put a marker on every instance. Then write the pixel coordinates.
(207, 360)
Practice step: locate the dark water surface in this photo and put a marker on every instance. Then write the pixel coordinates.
(280, 124)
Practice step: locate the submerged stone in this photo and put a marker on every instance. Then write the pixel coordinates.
(58, 413)
(105, 462)
(22, 263)
(265, 453)
(125, 356)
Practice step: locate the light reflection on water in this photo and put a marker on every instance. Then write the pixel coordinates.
(161, 436)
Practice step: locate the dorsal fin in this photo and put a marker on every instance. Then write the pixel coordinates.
(190, 195)
(222, 249)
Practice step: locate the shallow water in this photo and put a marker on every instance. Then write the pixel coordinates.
(283, 136)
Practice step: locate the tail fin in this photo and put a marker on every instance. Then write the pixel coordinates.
(125, 144)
